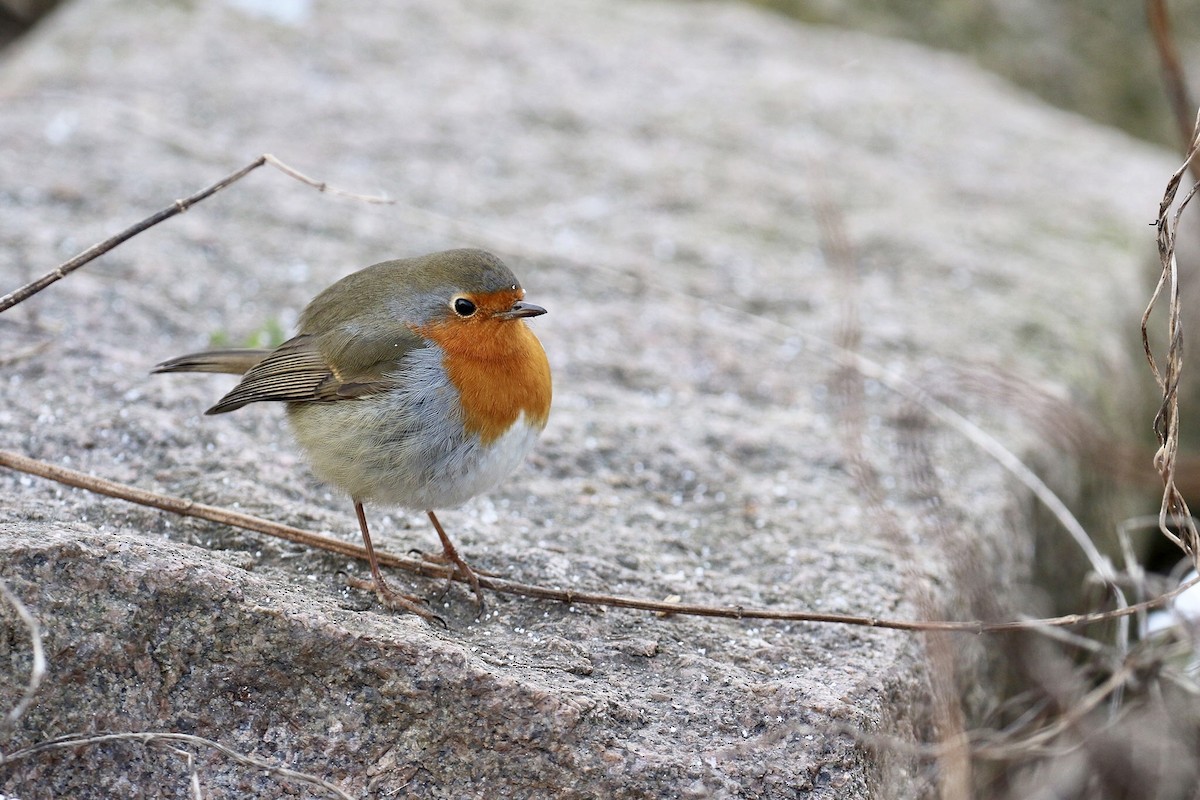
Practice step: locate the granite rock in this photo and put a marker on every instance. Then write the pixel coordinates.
(655, 174)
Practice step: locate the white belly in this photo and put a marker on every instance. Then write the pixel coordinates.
(407, 447)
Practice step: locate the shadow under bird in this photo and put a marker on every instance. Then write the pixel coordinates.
(412, 383)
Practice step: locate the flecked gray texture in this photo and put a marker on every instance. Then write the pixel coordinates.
(651, 173)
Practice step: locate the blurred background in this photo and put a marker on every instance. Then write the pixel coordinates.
(1097, 59)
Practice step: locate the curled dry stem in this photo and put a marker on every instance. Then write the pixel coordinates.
(1167, 374)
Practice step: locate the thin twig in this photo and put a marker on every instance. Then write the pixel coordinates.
(178, 207)
(1029, 744)
(37, 672)
(70, 477)
(187, 508)
(147, 738)
(322, 186)
(1174, 76)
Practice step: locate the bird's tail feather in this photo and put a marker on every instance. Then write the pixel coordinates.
(235, 362)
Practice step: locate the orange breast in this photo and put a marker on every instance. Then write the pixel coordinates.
(500, 370)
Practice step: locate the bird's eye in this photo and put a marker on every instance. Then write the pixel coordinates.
(464, 307)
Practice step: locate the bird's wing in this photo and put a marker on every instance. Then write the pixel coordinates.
(300, 370)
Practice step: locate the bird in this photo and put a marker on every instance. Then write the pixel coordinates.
(413, 382)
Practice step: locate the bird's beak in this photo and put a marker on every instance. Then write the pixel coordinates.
(521, 309)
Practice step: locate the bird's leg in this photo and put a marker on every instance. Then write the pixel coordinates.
(390, 599)
(450, 556)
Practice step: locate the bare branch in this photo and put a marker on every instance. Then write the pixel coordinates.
(187, 508)
(178, 207)
(1174, 77)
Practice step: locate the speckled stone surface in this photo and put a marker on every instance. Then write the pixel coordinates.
(651, 171)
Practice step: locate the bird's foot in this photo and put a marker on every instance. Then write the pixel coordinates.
(461, 569)
(396, 601)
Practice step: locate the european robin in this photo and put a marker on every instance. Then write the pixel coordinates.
(413, 383)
